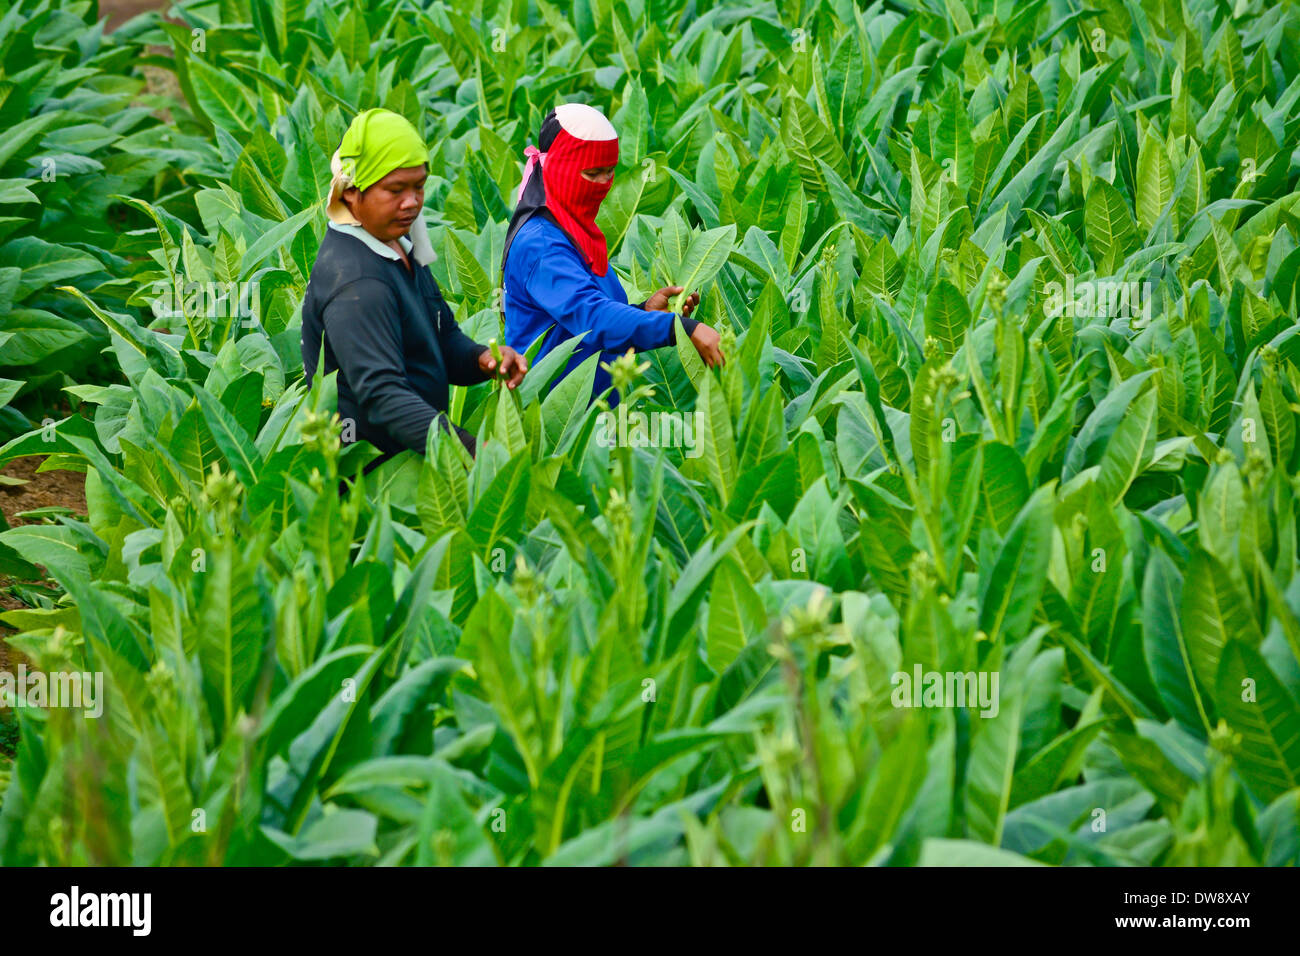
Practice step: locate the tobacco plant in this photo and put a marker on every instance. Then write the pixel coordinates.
(1008, 295)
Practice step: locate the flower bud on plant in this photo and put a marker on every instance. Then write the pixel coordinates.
(812, 621)
(443, 844)
(321, 433)
(996, 292)
(779, 651)
(162, 685)
(624, 371)
(827, 263)
(618, 512)
(1224, 739)
(726, 339)
(221, 490)
(527, 583)
(921, 572)
(1256, 468)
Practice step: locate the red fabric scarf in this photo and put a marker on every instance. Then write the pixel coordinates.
(572, 200)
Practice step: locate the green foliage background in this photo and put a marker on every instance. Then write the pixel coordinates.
(564, 653)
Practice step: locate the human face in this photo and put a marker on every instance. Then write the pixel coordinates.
(388, 208)
(598, 174)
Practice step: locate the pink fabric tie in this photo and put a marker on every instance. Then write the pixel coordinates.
(532, 157)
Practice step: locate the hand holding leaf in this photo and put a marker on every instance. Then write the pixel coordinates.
(694, 260)
(659, 301)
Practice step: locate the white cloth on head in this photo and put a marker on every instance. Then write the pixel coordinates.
(585, 122)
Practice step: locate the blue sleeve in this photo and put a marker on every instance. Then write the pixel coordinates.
(560, 284)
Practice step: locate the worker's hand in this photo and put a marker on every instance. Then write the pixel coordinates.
(513, 365)
(706, 340)
(659, 301)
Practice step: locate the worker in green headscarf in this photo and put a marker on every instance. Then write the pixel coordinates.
(381, 320)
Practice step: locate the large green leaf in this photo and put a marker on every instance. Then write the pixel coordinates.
(1155, 181)
(1112, 234)
(1259, 707)
(1213, 613)
(808, 139)
(1129, 448)
(947, 316)
(1165, 642)
(1016, 579)
(498, 514)
(704, 258)
(736, 615)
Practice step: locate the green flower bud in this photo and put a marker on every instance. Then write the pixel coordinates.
(1224, 739)
(624, 371)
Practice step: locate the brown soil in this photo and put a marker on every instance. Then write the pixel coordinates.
(119, 11)
(46, 489)
(158, 81)
(9, 658)
(66, 489)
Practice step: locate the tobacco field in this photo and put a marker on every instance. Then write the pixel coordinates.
(1008, 292)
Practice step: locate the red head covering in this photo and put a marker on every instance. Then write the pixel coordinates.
(585, 140)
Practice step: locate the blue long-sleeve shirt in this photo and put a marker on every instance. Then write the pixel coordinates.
(548, 283)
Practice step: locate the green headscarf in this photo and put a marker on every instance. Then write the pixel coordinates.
(377, 142)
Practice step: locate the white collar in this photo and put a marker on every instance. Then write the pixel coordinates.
(359, 231)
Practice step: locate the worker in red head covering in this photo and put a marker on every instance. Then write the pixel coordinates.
(556, 261)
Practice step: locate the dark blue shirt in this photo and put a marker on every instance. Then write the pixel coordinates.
(392, 338)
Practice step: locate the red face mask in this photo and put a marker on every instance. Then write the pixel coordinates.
(573, 200)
